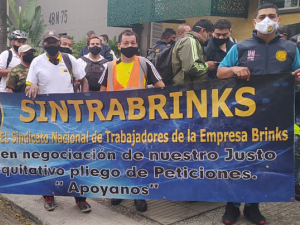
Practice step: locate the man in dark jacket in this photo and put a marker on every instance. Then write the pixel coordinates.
(167, 37)
(105, 51)
(264, 53)
(219, 44)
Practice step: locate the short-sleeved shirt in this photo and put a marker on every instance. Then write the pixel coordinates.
(16, 79)
(124, 71)
(53, 78)
(15, 60)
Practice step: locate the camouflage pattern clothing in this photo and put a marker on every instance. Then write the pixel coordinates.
(16, 79)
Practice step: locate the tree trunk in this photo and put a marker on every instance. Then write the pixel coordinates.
(3, 25)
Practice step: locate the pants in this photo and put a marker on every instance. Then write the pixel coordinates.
(77, 199)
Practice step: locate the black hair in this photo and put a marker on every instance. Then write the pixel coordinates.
(203, 23)
(127, 33)
(105, 37)
(90, 33)
(222, 24)
(67, 37)
(167, 33)
(266, 6)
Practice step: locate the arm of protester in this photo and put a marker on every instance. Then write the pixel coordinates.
(12, 81)
(211, 65)
(32, 90)
(191, 63)
(229, 66)
(3, 62)
(296, 66)
(79, 73)
(8, 90)
(3, 73)
(102, 88)
(159, 84)
(84, 85)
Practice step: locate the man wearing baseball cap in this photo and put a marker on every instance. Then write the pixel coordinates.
(16, 79)
(51, 73)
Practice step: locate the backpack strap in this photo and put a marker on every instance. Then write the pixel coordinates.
(9, 58)
(68, 63)
(143, 65)
(86, 59)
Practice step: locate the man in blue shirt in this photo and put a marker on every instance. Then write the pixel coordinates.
(264, 53)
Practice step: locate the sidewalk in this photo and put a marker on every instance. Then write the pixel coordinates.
(159, 212)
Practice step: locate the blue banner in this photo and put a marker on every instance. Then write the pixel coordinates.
(222, 140)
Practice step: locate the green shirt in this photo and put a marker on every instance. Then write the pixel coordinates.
(16, 79)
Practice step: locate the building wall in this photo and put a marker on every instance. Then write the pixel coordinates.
(242, 28)
(76, 17)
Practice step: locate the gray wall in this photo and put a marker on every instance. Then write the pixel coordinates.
(76, 17)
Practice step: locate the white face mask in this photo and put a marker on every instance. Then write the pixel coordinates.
(266, 26)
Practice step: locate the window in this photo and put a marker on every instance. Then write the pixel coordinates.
(284, 5)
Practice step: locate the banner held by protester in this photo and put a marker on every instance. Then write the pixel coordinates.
(215, 141)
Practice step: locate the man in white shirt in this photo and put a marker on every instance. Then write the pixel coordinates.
(94, 64)
(49, 74)
(10, 58)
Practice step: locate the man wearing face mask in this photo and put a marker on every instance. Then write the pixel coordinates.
(16, 79)
(105, 51)
(94, 64)
(10, 58)
(264, 53)
(49, 74)
(168, 37)
(129, 72)
(66, 44)
(219, 44)
(189, 62)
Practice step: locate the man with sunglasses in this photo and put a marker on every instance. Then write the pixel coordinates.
(219, 44)
(16, 79)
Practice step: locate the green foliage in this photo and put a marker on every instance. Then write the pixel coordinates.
(113, 44)
(77, 46)
(29, 20)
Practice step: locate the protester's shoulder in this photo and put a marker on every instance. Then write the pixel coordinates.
(19, 69)
(38, 59)
(4, 54)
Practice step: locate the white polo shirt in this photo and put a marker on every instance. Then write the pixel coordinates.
(15, 60)
(53, 78)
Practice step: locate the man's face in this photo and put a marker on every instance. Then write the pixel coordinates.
(18, 42)
(89, 38)
(263, 13)
(127, 41)
(51, 42)
(102, 39)
(94, 42)
(66, 43)
(171, 38)
(221, 34)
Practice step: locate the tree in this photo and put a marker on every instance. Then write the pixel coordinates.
(3, 27)
(29, 20)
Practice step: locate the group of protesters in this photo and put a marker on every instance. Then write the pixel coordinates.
(199, 53)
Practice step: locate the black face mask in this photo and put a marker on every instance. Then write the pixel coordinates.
(172, 42)
(16, 48)
(129, 52)
(95, 50)
(28, 57)
(52, 50)
(65, 50)
(220, 42)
